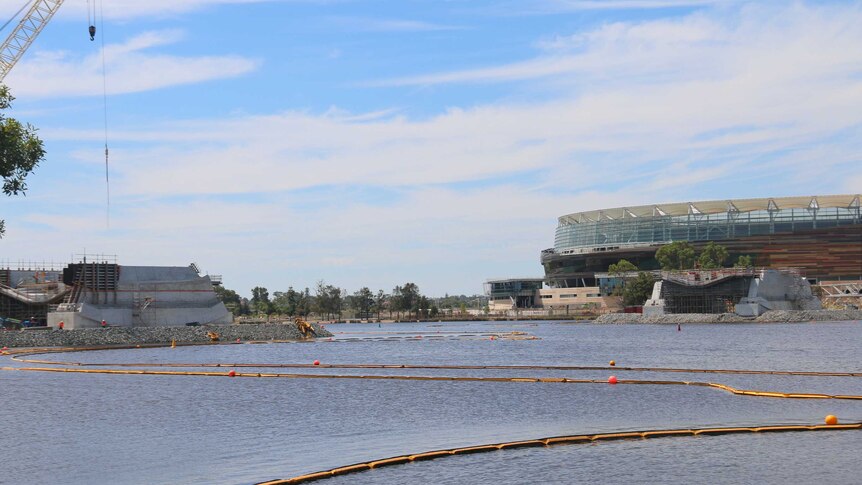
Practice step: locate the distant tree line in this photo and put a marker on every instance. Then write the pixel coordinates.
(681, 255)
(331, 302)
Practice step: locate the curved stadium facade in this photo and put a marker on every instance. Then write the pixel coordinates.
(821, 236)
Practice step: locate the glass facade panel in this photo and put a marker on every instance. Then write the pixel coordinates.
(631, 231)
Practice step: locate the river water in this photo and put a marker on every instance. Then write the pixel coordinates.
(143, 429)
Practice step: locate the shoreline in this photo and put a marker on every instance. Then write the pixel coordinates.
(772, 316)
(129, 336)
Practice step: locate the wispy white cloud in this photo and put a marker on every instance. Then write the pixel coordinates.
(131, 66)
(373, 24)
(790, 83)
(570, 5)
(756, 40)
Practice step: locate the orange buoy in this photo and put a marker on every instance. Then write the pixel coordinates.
(232, 373)
(612, 363)
(316, 362)
(612, 380)
(831, 420)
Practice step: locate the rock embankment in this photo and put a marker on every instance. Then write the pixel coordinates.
(782, 316)
(94, 337)
(672, 319)
(773, 316)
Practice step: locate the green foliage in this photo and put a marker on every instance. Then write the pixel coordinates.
(232, 301)
(363, 301)
(677, 255)
(639, 289)
(410, 296)
(329, 300)
(380, 302)
(406, 298)
(304, 303)
(453, 302)
(713, 256)
(618, 270)
(260, 300)
(622, 267)
(286, 302)
(226, 296)
(20, 151)
(744, 261)
(422, 307)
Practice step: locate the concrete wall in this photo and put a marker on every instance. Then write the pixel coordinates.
(572, 297)
(500, 305)
(149, 296)
(776, 290)
(655, 305)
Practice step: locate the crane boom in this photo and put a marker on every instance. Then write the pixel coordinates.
(25, 33)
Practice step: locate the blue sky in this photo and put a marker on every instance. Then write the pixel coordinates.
(371, 143)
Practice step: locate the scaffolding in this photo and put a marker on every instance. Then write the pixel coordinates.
(719, 296)
(92, 282)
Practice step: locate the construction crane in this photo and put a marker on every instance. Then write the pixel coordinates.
(30, 26)
(26, 32)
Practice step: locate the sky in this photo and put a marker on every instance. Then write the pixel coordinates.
(376, 142)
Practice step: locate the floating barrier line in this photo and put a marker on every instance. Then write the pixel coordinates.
(441, 367)
(544, 442)
(15, 353)
(562, 380)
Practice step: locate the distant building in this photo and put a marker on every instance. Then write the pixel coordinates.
(529, 293)
(508, 294)
(84, 294)
(821, 236)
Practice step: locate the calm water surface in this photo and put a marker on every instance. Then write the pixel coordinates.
(85, 429)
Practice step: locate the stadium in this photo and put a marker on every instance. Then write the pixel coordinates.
(820, 236)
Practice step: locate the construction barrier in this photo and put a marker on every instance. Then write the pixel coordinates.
(556, 440)
(562, 380)
(31, 352)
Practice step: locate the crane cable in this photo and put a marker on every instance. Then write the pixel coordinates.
(26, 4)
(104, 106)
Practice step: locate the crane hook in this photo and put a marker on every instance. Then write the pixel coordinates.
(92, 32)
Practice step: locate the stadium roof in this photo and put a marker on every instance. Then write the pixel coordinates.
(850, 201)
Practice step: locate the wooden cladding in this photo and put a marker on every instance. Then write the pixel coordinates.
(835, 252)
